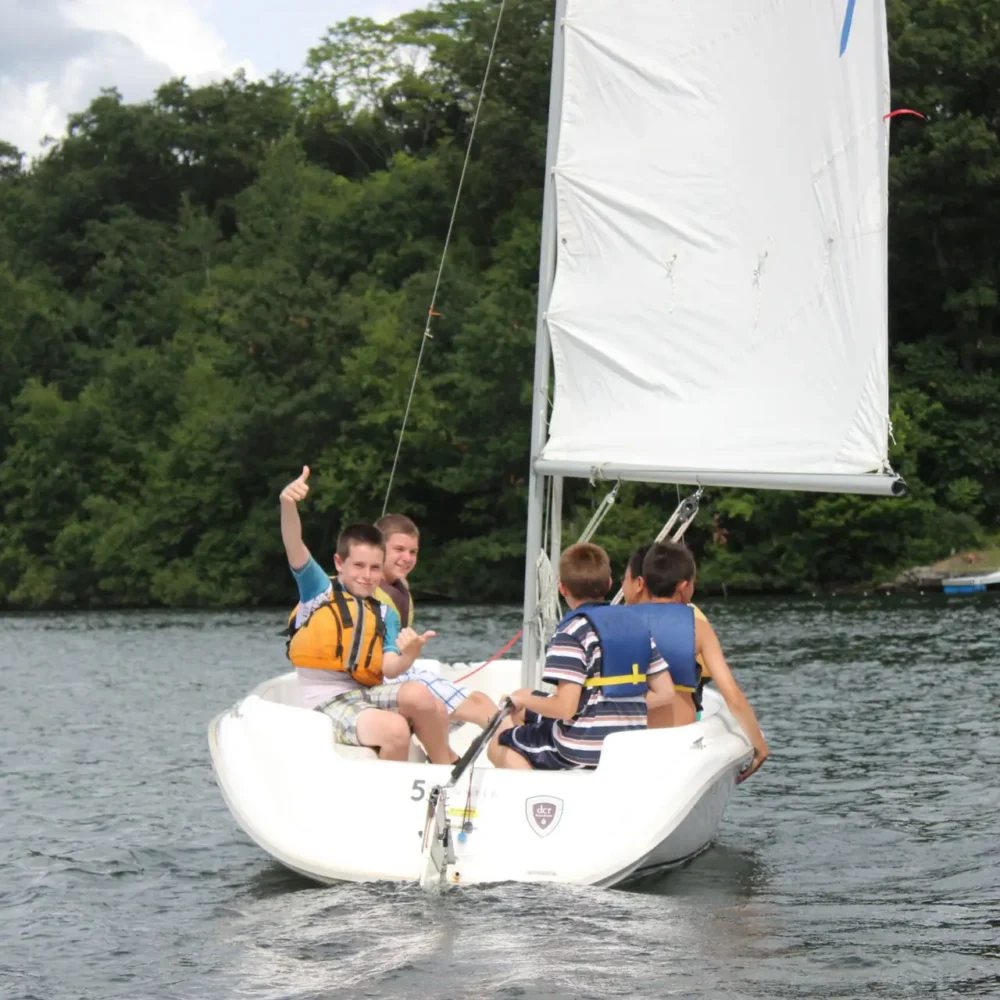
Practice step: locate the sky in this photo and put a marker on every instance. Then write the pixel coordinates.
(56, 55)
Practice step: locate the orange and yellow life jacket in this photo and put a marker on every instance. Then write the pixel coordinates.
(330, 639)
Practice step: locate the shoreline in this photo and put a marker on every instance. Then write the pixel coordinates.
(971, 563)
(916, 579)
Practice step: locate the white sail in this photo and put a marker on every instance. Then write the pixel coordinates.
(720, 183)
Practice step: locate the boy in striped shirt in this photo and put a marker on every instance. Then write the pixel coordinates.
(567, 729)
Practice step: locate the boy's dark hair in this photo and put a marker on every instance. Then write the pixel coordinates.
(585, 571)
(396, 524)
(636, 560)
(666, 565)
(359, 534)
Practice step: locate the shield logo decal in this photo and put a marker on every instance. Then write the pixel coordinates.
(544, 813)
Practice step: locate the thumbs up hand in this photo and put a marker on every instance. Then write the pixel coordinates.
(411, 643)
(297, 489)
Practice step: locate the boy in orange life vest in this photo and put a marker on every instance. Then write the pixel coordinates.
(402, 543)
(668, 572)
(342, 646)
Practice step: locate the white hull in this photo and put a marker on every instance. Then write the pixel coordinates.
(337, 813)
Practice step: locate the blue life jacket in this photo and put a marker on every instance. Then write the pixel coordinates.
(672, 629)
(625, 649)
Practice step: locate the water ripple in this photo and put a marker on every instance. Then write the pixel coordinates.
(861, 862)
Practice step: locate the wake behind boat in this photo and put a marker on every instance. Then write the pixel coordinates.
(337, 813)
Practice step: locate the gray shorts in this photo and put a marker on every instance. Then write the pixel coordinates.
(345, 710)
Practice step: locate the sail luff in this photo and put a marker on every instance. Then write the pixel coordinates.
(543, 358)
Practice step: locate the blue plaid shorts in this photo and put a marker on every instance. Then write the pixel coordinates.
(443, 690)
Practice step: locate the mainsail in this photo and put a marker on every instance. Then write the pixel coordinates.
(713, 274)
(719, 206)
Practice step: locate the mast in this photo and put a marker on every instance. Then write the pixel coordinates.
(543, 358)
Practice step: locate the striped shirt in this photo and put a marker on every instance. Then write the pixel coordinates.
(575, 656)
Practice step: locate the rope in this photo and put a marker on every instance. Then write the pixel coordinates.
(548, 487)
(546, 614)
(444, 253)
(495, 656)
(603, 508)
(687, 509)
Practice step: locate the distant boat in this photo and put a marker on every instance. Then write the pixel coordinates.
(971, 584)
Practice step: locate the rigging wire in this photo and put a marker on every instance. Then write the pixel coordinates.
(444, 253)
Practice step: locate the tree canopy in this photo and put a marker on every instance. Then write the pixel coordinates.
(203, 292)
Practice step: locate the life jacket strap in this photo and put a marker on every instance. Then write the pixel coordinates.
(343, 619)
(633, 678)
(375, 607)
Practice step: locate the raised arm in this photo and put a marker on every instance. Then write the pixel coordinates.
(707, 643)
(291, 527)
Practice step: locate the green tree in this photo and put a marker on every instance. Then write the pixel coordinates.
(205, 291)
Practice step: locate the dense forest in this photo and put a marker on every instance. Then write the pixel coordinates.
(201, 293)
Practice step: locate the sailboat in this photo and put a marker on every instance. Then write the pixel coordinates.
(713, 305)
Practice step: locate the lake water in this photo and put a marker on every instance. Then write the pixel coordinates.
(862, 861)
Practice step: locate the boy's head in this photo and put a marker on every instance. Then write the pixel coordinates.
(402, 543)
(668, 571)
(633, 583)
(584, 573)
(359, 558)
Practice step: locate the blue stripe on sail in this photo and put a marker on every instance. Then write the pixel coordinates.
(845, 34)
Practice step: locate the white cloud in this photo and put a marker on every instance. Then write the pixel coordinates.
(56, 55)
(27, 113)
(387, 11)
(172, 32)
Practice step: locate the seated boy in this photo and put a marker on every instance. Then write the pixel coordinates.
(343, 647)
(668, 572)
(634, 591)
(402, 544)
(595, 648)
